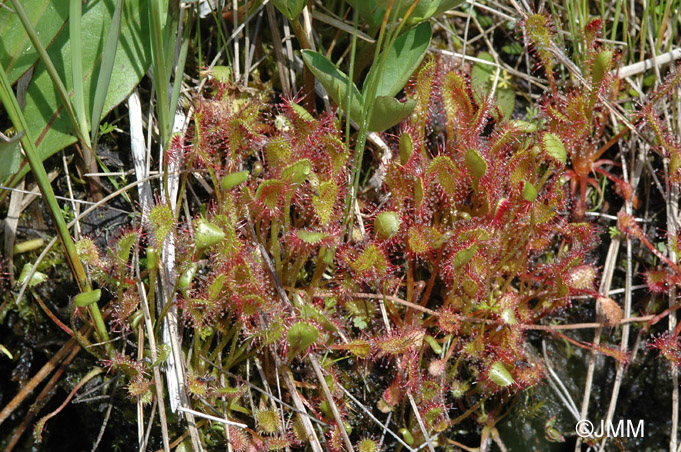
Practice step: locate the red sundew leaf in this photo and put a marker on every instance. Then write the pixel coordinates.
(659, 281)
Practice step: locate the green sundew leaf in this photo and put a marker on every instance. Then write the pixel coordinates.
(522, 164)
(290, 8)
(499, 375)
(269, 192)
(45, 117)
(418, 242)
(358, 347)
(277, 150)
(524, 126)
(301, 112)
(301, 335)
(10, 156)
(233, 179)
(554, 147)
(336, 83)
(208, 234)
(17, 54)
(476, 165)
(470, 287)
(434, 345)
(222, 74)
(386, 225)
(310, 237)
(162, 220)
(297, 172)
(543, 214)
(323, 201)
(372, 258)
(401, 61)
(446, 173)
(163, 353)
(600, 67)
(87, 298)
(37, 278)
(462, 257)
(389, 112)
(125, 245)
(406, 148)
(529, 192)
(477, 234)
(106, 69)
(187, 277)
(216, 287)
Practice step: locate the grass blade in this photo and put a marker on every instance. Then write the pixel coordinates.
(106, 69)
(179, 69)
(9, 100)
(75, 15)
(160, 70)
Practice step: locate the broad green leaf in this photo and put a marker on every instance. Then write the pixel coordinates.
(482, 73)
(388, 112)
(424, 10)
(506, 101)
(10, 156)
(401, 61)
(17, 54)
(335, 82)
(290, 8)
(369, 11)
(76, 41)
(439, 7)
(45, 117)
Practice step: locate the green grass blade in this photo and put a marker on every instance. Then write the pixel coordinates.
(106, 69)
(160, 70)
(75, 15)
(16, 116)
(179, 69)
(54, 76)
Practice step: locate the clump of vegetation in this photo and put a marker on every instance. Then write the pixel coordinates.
(288, 303)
